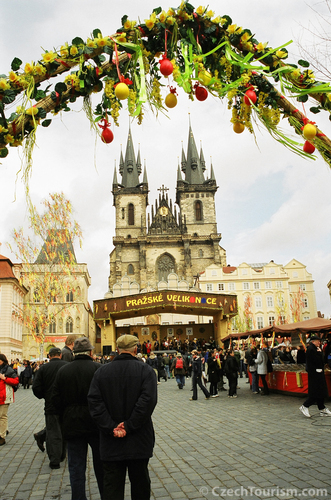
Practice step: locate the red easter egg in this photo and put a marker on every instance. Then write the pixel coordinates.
(201, 93)
(308, 147)
(250, 97)
(107, 135)
(166, 67)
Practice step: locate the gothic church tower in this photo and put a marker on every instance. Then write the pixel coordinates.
(179, 240)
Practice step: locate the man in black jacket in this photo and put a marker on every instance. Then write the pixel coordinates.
(42, 388)
(70, 390)
(67, 354)
(196, 376)
(317, 388)
(122, 398)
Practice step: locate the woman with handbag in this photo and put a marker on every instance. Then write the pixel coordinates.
(8, 380)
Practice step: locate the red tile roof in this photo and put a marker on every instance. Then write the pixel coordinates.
(6, 268)
(229, 269)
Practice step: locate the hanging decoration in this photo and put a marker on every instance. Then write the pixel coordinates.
(202, 53)
(171, 99)
(201, 93)
(107, 135)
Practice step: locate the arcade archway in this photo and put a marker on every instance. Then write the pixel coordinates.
(203, 53)
(220, 306)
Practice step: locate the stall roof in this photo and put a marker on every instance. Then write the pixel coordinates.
(309, 325)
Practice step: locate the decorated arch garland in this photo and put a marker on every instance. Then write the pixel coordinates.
(184, 47)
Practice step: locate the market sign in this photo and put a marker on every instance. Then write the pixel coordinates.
(55, 340)
(166, 301)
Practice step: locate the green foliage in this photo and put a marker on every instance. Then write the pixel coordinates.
(16, 64)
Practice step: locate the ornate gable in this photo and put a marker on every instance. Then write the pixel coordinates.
(163, 220)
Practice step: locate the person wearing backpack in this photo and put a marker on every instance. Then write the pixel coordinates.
(179, 369)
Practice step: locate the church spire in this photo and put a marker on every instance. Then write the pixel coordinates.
(212, 175)
(130, 169)
(138, 163)
(194, 169)
(145, 181)
(183, 160)
(115, 182)
(179, 174)
(202, 159)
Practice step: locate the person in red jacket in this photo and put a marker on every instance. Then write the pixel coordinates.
(8, 380)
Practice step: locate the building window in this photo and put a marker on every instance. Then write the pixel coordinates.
(123, 213)
(295, 274)
(246, 285)
(198, 210)
(214, 272)
(130, 269)
(268, 285)
(272, 270)
(271, 320)
(256, 285)
(305, 318)
(270, 301)
(220, 287)
(259, 321)
(279, 284)
(232, 286)
(302, 287)
(244, 272)
(131, 214)
(70, 297)
(200, 253)
(305, 303)
(52, 326)
(69, 325)
(209, 287)
(282, 320)
(258, 301)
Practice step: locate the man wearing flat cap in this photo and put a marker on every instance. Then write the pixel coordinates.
(42, 388)
(122, 397)
(70, 390)
(317, 388)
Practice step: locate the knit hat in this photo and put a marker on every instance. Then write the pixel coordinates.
(126, 341)
(82, 345)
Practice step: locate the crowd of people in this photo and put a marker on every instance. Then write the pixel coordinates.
(98, 401)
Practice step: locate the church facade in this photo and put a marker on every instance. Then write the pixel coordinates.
(179, 239)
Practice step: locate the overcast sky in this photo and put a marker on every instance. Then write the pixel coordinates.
(271, 204)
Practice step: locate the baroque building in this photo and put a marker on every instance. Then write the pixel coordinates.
(178, 239)
(267, 293)
(12, 294)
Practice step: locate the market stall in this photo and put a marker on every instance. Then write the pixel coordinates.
(289, 378)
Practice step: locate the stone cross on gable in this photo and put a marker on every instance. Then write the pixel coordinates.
(163, 190)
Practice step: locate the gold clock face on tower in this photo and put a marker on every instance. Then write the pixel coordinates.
(163, 211)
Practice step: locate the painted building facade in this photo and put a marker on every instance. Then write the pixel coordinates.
(12, 294)
(267, 293)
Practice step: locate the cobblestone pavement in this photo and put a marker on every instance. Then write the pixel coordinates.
(245, 448)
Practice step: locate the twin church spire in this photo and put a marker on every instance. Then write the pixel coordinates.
(193, 166)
